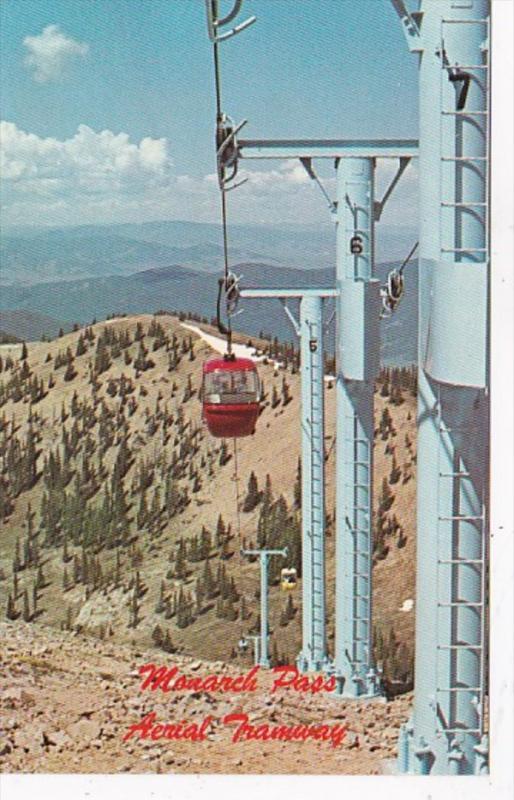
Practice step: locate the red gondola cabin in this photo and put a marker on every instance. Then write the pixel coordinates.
(230, 397)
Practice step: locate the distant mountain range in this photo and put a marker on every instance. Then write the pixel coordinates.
(175, 287)
(27, 325)
(36, 255)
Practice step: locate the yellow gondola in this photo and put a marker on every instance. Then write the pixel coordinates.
(288, 578)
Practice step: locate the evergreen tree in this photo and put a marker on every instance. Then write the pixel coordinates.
(395, 473)
(208, 582)
(142, 514)
(221, 531)
(11, 612)
(297, 491)
(81, 347)
(167, 644)
(26, 607)
(157, 636)
(253, 495)
(181, 570)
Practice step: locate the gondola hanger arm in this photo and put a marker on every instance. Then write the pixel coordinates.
(214, 25)
(227, 158)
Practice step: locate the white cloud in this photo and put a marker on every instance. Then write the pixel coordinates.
(105, 177)
(83, 174)
(50, 51)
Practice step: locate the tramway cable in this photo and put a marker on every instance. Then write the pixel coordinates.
(231, 391)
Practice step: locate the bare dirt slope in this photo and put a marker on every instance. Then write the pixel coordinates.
(67, 701)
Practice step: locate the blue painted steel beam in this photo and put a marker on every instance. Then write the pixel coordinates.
(446, 735)
(327, 148)
(279, 293)
(313, 655)
(264, 555)
(357, 354)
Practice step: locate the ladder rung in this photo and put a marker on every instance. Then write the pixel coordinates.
(460, 604)
(471, 561)
(462, 730)
(460, 647)
(461, 518)
(466, 22)
(463, 249)
(448, 113)
(454, 475)
(463, 205)
(464, 158)
(357, 485)
(461, 689)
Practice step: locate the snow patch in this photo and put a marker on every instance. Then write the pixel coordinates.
(240, 350)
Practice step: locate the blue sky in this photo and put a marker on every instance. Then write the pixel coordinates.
(140, 71)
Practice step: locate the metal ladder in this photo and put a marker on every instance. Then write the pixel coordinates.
(446, 693)
(478, 73)
(317, 507)
(358, 554)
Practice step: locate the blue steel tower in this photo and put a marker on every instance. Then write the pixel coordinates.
(446, 734)
(357, 366)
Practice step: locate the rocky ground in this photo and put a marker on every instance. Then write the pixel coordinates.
(68, 700)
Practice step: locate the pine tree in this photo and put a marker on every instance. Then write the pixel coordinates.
(26, 607)
(253, 495)
(161, 603)
(134, 611)
(386, 497)
(297, 491)
(183, 610)
(395, 473)
(221, 531)
(205, 543)
(40, 578)
(81, 347)
(181, 570)
(199, 596)
(157, 636)
(11, 612)
(142, 514)
(208, 582)
(167, 644)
